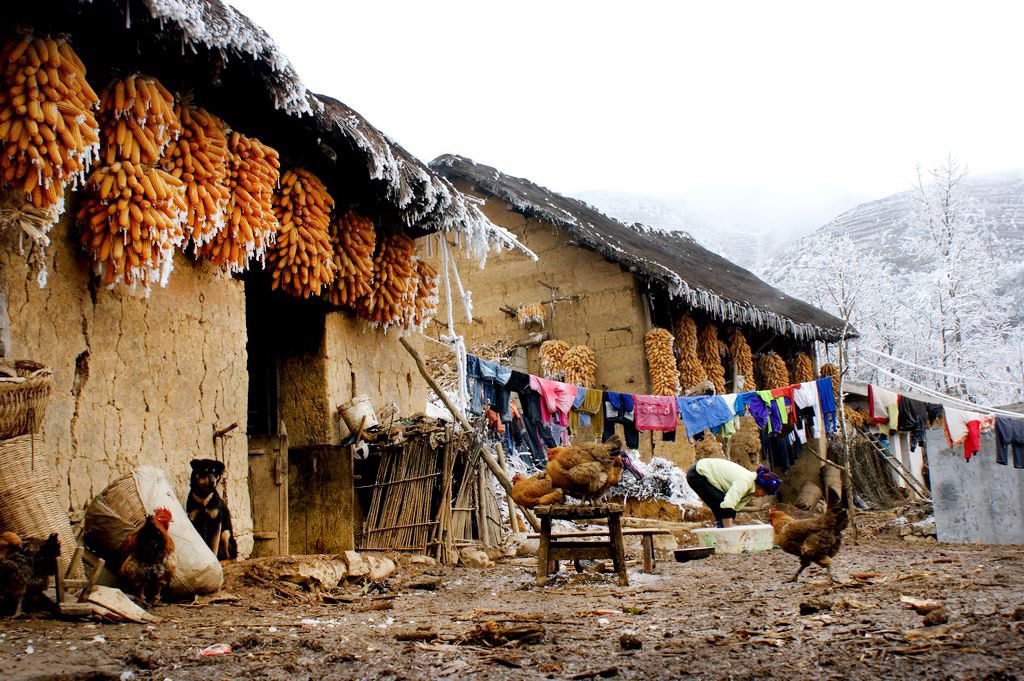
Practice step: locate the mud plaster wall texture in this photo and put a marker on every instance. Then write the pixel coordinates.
(610, 298)
(136, 380)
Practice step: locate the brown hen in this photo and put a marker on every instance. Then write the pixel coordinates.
(586, 471)
(814, 540)
(535, 490)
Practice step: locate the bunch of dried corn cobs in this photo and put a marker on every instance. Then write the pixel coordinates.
(532, 313)
(131, 219)
(251, 226)
(424, 302)
(743, 358)
(708, 351)
(47, 127)
(200, 159)
(354, 240)
(394, 268)
(137, 120)
(579, 365)
(302, 259)
(661, 362)
(691, 371)
(132, 213)
(774, 372)
(552, 353)
(803, 368)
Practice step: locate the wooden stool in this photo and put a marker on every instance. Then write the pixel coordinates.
(557, 549)
(646, 535)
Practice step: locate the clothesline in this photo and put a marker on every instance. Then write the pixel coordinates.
(943, 373)
(947, 399)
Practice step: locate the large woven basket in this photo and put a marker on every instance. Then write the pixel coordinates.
(29, 505)
(23, 397)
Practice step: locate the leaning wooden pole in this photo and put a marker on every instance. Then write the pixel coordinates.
(461, 418)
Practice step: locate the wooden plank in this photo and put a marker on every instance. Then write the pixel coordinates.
(618, 551)
(628, 532)
(321, 506)
(593, 551)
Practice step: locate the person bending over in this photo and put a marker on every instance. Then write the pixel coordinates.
(726, 487)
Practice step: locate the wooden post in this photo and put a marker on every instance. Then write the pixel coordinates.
(5, 328)
(513, 520)
(457, 413)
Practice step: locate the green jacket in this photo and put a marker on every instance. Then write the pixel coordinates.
(732, 479)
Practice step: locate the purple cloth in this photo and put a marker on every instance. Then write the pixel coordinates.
(743, 401)
(703, 412)
(766, 413)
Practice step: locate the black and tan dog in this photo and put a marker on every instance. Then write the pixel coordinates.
(208, 511)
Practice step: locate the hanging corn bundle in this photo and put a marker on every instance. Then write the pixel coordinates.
(354, 239)
(131, 222)
(803, 368)
(302, 259)
(774, 372)
(708, 350)
(832, 371)
(137, 120)
(743, 359)
(394, 267)
(661, 362)
(691, 371)
(46, 120)
(532, 313)
(855, 417)
(251, 227)
(579, 364)
(420, 302)
(552, 353)
(199, 158)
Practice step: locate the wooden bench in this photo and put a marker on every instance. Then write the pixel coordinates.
(646, 535)
(553, 549)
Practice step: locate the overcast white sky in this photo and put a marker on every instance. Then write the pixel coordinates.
(782, 112)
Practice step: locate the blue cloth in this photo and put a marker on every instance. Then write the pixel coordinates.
(581, 394)
(742, 401)
(486, 382)
(703, 412)
(828, 403)
(618, 408)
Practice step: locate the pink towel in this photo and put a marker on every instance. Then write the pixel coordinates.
(556, 398)
(655, 412)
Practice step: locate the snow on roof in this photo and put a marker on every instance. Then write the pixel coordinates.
(704, 280)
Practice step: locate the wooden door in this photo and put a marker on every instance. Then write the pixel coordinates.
(268, 493)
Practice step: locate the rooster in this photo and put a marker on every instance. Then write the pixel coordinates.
(25, 568)
(149, 560)
(535, 490)
(586, 471)
(814, 540)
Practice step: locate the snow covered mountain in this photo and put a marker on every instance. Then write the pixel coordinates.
(876, 226)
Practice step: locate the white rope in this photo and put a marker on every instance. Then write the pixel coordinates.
(466, 296)
(455, 341)
(971, 379)
(955, 402)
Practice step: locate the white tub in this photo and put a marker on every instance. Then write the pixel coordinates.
(737, 539)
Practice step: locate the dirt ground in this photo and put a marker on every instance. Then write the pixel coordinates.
(728, 616)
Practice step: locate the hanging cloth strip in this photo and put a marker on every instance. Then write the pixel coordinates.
(591, 411)
(827, 399)
(962, 427)
(618, 409)
(655, 412)
(883, 407)
(806, 396)
(704, 412)
(1010, 436)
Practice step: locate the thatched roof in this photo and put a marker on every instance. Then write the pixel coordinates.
(232, 67)
(704, 280)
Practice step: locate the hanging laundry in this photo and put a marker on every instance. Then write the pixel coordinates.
(591, 411)
(962, 427)
(655, 412)
(537, 436)
(787, 393)
(779, 450)
(827, 399)
(806, 397)
(1010, 436)
(574, 413)
(769, 409)
(729, 427)
(883, 407)
(743, 402)
(557, 399)
(618, 409)
(913, 419)
(704, 412)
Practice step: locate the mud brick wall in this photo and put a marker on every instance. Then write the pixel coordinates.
(137, 380)
(609, 316)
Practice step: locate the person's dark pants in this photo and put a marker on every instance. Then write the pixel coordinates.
(709, 494)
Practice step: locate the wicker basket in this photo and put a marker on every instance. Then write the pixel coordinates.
(23, 398)
(28, 497)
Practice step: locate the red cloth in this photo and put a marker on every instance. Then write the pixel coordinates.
(788, 392)
(973, 442)
(655, 412)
